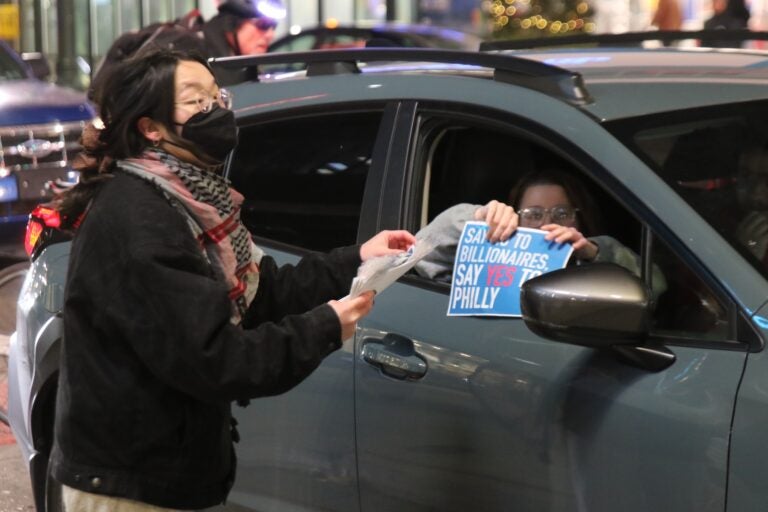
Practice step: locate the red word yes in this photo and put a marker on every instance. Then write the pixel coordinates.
(500, 275)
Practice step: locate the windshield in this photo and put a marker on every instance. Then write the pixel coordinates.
(10, 69)
(717, 160)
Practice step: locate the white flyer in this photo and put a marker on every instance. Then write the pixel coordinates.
(378, 273)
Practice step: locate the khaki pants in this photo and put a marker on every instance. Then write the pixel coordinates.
(80, 501)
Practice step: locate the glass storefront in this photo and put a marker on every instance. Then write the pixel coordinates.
(88, 26)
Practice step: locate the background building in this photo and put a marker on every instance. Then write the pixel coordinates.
(75, 34)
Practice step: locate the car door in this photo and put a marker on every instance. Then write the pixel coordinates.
(470, 413)
(296, 450)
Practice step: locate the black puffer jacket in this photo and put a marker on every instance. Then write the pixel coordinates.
(150, 361)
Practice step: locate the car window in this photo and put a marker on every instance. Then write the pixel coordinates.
(688, 307)
(303, 179)
(471, 164)
(10, 69)
(299, 43)
(340, 41)
(716, 159)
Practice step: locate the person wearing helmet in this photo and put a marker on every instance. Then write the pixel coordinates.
(243, 27)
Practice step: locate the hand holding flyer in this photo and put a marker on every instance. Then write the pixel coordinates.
(487, 276)
(378, 273)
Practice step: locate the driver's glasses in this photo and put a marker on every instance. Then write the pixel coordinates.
(203, 101)
(535, 216)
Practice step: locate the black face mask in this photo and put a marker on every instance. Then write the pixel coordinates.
(212, 133)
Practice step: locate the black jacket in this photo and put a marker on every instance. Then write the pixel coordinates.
(724, 21)
(151, 362)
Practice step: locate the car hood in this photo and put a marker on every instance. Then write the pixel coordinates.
(25, 102)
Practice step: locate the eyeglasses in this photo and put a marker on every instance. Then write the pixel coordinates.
(264, 24)
(535, 215)
(203, 101)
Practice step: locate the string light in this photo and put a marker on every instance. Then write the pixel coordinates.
(547, 17)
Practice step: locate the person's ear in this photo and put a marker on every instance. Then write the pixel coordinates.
(150, 129)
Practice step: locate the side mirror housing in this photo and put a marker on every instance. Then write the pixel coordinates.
(595, 305)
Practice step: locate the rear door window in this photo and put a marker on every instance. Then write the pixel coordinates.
(716, 159)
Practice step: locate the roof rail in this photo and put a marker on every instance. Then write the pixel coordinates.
(555, 81)
(625, 39)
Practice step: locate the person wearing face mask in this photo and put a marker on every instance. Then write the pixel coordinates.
(170, 311)
(549, 199)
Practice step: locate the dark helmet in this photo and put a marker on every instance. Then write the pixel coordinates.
(274, 9)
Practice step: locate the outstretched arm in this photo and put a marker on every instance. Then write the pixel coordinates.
(445, 230)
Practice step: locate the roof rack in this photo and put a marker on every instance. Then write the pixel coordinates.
(558, 82)
(625, 39)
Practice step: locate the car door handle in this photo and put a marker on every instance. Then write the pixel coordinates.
(395, 356)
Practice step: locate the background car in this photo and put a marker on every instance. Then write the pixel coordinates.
(40, 126)
(420, 411)
(356, 36)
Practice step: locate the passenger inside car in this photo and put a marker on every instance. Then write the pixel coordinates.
(752, 193)
(707, 162)
(702, 165)
(723, 173)
(550, 199)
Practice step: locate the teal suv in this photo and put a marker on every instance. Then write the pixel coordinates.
(599, 398)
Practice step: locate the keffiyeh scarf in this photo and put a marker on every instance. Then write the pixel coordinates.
(212, 210)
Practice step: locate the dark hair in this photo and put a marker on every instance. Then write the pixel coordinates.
(140, 86)
(574, 189)
(184, 34)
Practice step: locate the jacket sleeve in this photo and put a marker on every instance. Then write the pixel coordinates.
(444, 231)
(291, 289)
(176, 318)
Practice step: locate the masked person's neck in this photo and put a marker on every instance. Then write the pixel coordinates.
(203, 162)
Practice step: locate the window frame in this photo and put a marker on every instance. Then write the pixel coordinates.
(376, 170)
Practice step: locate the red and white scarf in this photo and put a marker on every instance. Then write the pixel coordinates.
(212, 209)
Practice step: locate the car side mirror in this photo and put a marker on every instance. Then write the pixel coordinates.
(38, 63)
(595, 305)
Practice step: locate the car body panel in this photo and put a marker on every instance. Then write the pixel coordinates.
(746, 489)
(34, 341)
(27, 102)
(504, 417)
(640, 82)
(297, 451)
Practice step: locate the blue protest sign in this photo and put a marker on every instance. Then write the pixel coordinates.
(487, 277)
